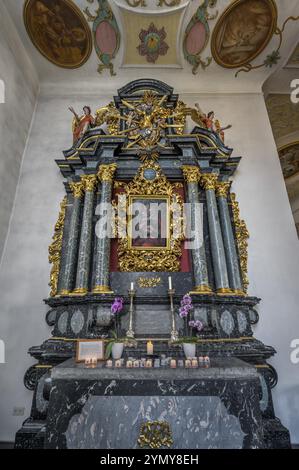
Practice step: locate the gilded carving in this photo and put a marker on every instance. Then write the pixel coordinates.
(55, 249)
(147, 120)
(149, 259)
(209, 181)
(145, 283)
(109, 115)
(89, 182)
(242, 236)
(155, 435)
(222, 188)
(191, 173)
(106, 172)
(77, 189)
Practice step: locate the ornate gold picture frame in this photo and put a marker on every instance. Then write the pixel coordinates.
(151, 184)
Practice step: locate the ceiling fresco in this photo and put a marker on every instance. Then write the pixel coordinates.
(154, 41)
(283, 114)
(289, 159)
(294, 59)
(193, 36)
(243, 31)
(106, 34)
(59, 31)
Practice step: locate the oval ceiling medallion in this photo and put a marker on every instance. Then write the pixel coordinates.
(59, 31)
(243, 32)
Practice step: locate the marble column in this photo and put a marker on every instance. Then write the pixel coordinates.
(84, 255)
(199, 261)
(232, 260)
(101, 283)
(209, 182)
(68, 270)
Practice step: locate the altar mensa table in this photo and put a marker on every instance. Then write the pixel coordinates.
(214, 408)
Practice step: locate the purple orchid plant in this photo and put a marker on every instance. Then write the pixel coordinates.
(185, 312)
(116, 309)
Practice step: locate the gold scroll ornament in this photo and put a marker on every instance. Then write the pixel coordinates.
(155, 434)
(242, 236)
(146, 283)
(55, 249)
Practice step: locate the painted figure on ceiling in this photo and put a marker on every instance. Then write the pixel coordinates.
(81, 124)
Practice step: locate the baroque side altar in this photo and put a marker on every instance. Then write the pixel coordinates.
(135, 153)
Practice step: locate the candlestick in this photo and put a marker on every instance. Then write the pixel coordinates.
(130, 333)
(150, 348)
(174, 333)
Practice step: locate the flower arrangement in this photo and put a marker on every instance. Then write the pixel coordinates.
(186, 306)
(185, 311)
(116, 309)
(197, 325)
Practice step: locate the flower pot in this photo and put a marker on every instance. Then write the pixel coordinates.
(189, 349)
(117, 350)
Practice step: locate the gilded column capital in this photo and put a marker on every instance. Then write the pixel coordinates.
(106, 173)
(89, 182)
(191, 173)
(222, 188)
(209, 181)
(77, 189)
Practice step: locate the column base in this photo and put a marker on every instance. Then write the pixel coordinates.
(63, 292)
(80, 291)
(202, 290)
(239, 292)
(225, 291)
(102, 290)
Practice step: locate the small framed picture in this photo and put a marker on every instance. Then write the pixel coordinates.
(89, 349)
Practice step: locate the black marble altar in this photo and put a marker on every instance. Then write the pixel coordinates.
(232, 399)
(104, 408)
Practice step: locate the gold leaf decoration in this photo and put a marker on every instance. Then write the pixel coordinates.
(146, 283)
(55, 249)
(242, 236)
(155, 434)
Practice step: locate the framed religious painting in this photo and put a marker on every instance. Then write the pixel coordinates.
(149, 222)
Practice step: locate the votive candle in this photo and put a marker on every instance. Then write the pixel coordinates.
(150, 348)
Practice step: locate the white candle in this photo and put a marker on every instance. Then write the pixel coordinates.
(170, 283)
(132, 286)
(150, 348)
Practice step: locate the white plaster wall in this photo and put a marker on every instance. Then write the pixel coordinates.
(273, 247)
(21, 87)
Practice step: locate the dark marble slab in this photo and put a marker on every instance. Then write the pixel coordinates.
(104, 408)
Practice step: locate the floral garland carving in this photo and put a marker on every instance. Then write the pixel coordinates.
(55, 248)
(242, 235)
